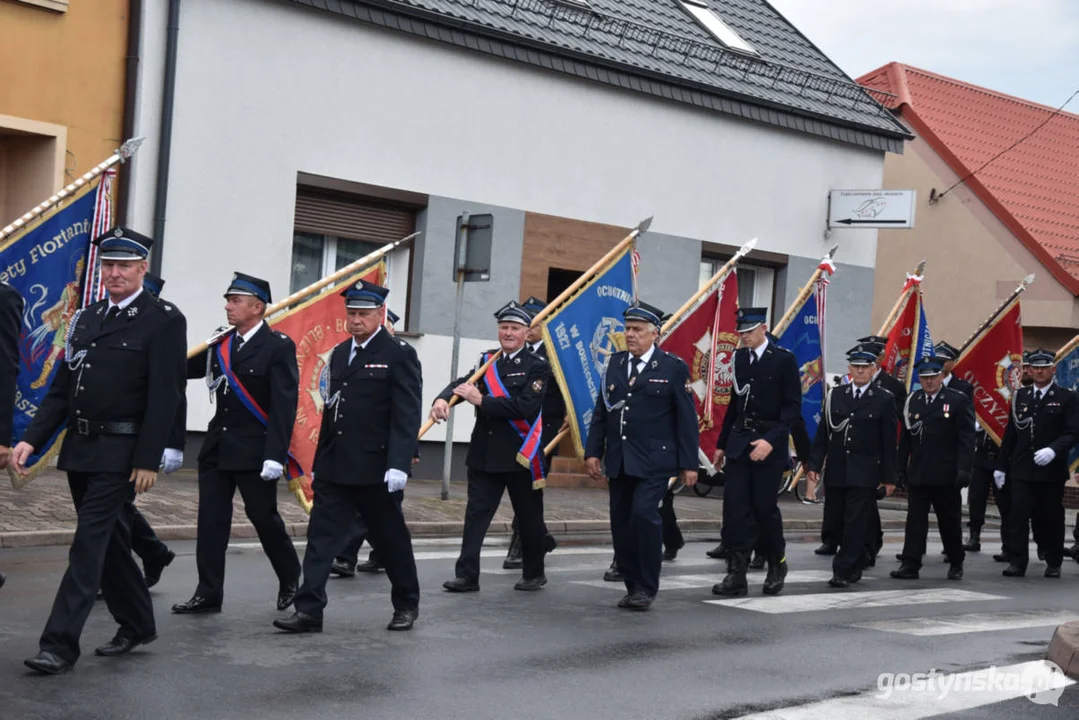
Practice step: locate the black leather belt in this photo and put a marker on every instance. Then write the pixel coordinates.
(82, 426)
(754, 425)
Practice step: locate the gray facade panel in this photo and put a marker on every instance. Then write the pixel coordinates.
(670, 267)
(433, 288)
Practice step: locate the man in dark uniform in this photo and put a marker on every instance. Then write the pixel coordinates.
(986, 457)
(11, 305)
(950, 354)
(508, 403)
(554, 414)
(1043, 427)
(370, 421)
(117, 392)
(936, 450)
(347, 563)
(644, 431)
(252, 371)
(766, 403)
(855, 448)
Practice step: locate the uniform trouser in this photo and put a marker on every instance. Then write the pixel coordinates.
(981, 485)
(637, 530)
(874, 537)
(539, 503)
(332, 515)
(216, 489)
(357, 533)
(1042, 505)
(751, 514)
(945, 503)
(831, 529)
(1075, 532)
(484, 494)
(672, 534)
(100, 557)
(855, 506)
(144, 541)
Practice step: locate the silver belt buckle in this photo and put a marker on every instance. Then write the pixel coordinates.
(82, 426)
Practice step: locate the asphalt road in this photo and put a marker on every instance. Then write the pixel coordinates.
(565, 652)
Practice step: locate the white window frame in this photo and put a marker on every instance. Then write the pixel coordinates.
(764, 279)
(710, 20)
(397, 279)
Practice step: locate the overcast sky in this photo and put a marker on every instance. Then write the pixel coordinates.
(1028, 48)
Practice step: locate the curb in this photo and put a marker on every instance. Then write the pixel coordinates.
(427, 529)
(1064, 649)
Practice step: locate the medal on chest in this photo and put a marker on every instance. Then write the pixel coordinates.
(947, 411)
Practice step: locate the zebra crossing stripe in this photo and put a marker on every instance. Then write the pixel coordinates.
(693, 582)
(852, 600)
(979, 622)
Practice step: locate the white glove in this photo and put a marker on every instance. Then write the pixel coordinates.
(998, 478)
(271, 469)
(1044, 456)
(171, 460)
(395, 479)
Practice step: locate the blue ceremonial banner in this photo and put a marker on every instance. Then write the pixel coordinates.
(46, 264)
(582, 334)
(1068, 377)
(803, 338)
(923, 347)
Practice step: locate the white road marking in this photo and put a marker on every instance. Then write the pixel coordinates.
(937, 695)
(691, 582)
(852, 600)
(957, 624)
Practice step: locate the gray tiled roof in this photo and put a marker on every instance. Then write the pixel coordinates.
(654, 46)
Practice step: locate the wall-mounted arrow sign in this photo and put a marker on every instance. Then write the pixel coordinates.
(893, 209)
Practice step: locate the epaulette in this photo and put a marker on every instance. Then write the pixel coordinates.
(674, 357)
(281, 335)
(885, 390)
(166, 307)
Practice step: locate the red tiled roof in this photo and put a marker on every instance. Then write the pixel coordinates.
(1033, 189)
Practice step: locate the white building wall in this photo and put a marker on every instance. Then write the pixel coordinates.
(265, 90)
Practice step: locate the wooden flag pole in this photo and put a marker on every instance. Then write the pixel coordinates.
(552, 306)
(121, 155)
(303, 293)
(676, 316)
(1027, 282)
(781, 326)
(887, 324)
(1063, 352)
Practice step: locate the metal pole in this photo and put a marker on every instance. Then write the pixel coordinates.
(447, 453)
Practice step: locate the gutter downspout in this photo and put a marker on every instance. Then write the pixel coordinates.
(164, 148)
(131, 77)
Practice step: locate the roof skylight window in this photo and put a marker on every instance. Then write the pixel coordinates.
(720, 30)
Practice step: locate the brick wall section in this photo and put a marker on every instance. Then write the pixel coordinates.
(551, 241)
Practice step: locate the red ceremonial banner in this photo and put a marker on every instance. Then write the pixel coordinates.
(993, 364)
(901, 337)
(706, 339)
(317, 326)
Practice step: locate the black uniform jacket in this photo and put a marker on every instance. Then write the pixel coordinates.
(1051, 423)
(651, 428)
(861, 449)
(132, 372)
(495, 442)
(937, 441)
(770, 407)
(895, 386)
(11, 304)
(372, 414)
(235, 439)
(554, 405)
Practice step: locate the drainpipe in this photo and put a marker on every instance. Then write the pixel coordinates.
(131, 77)
(164, 149)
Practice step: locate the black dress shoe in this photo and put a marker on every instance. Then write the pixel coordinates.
(825, 549)
(300, 622)
(514, 560)
(1001, 557)
(899, 556)
(549, 543)
(757, 563)
(777, 576)
(286, 594)
(612, 574)
(196, 605)
(403, 619)
(342, 568)
(368, 566)
(955, 572)
(48, 663)
(121, 645)
(855, 576)
(1041, 554)
(1014, 570)
(906, 571)
(839, 582)
(639, 601)
(670, 553)
(461, 585)
(532, 584)
(1053, 571)
(3, 579)
(719, 552)
(513, 563)
(151, 571)
(624, 602)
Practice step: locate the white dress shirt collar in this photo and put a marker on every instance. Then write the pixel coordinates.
(126, 301)
(642, 359)
(251, 333)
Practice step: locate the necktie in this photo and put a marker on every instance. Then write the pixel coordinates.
(857, 394)
(752, 358)
(112, 313)
(634, 370)
(238, 343)
(353, 353)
